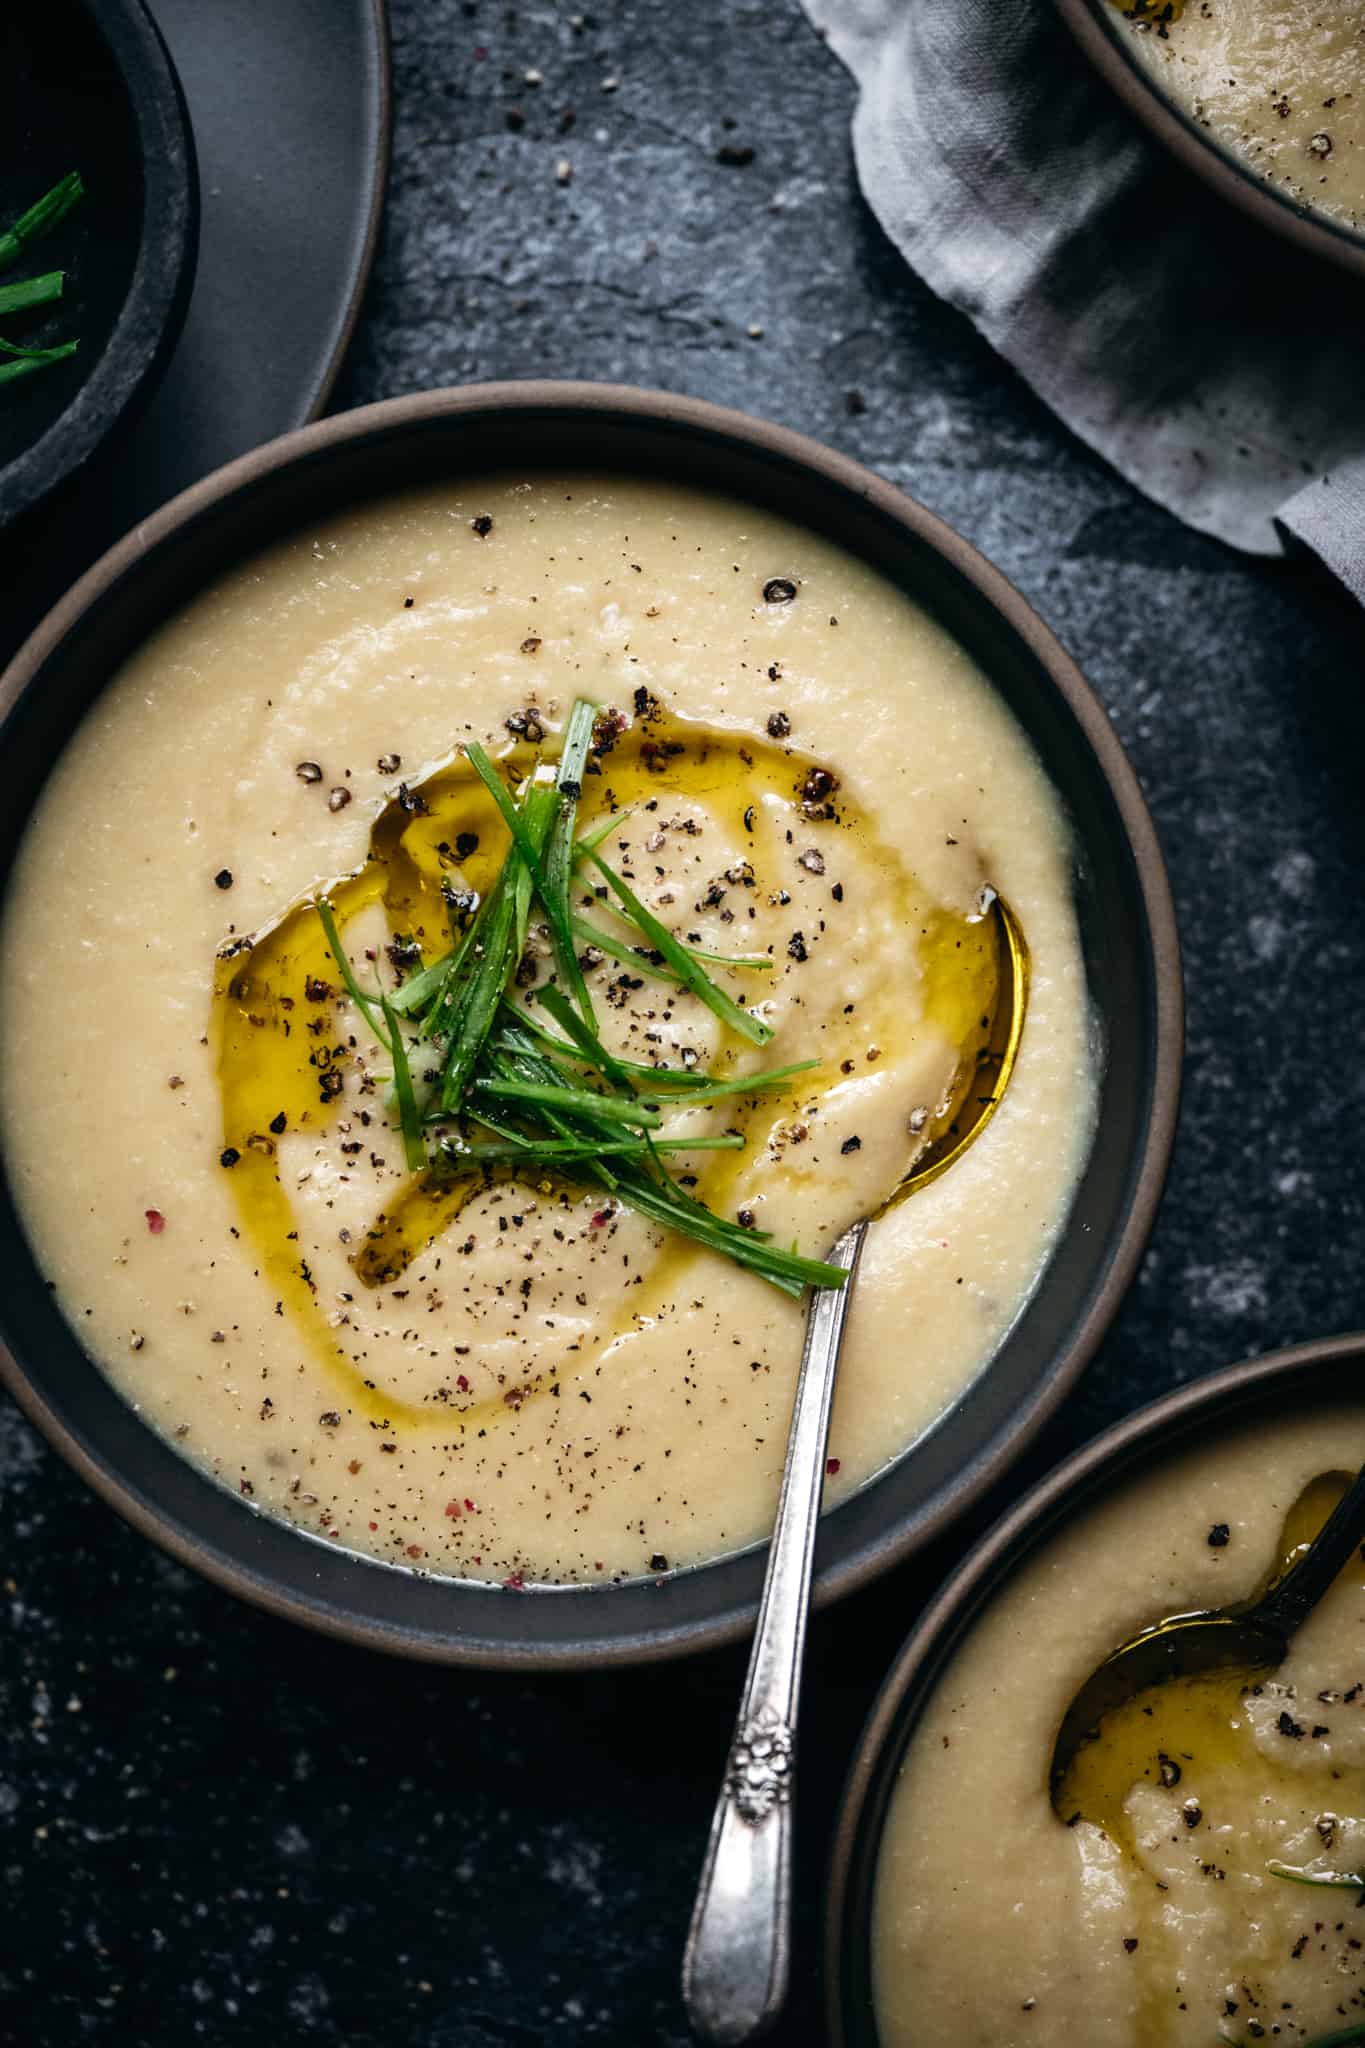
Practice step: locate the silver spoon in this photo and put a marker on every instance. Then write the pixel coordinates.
(737, 1961)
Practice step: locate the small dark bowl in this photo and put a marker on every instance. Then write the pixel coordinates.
(1101, 31)
(1324, 1371)
(88, 85)
(1131, 956)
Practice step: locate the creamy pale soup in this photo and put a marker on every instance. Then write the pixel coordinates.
(1279, 83)
(525, 1378)
(1201, 1877)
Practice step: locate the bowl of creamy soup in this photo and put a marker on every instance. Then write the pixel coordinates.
(1196, 1874)
(529, 864)
(1264, 99)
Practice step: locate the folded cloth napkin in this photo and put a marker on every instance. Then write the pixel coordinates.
(1221, 370)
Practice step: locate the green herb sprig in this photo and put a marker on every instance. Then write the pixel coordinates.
(390, 1036)
(562, 1100)
(40, 219)
(684, 964)
(29, 292)
(1327, 1880)
(653, 1193)
(22, 362)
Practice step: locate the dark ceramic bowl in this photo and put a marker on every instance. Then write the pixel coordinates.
(1105, 36)
(88, 85)
(1131, 956)
(1326, 1371)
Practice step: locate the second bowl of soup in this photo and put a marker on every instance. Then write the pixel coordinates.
(1192, 1871)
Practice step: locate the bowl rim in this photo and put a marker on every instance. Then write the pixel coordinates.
(159, 289)
(1098, 35)
(1047, 1506)
(997, 595)
(368, 246)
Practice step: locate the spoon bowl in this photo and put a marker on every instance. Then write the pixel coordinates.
(982, 1077)
(1251, 1637)
(1182, 1646)
(738, 1956)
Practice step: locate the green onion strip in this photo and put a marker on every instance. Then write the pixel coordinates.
(561, 1100)
(29, 292)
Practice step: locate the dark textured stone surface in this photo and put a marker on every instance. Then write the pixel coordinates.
(213, 1828)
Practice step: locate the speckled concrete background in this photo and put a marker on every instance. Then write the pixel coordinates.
(214, 1828)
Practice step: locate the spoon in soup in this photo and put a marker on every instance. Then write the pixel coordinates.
(737, 1960)
(1251, 1636)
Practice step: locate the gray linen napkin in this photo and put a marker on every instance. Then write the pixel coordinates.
(1220, 370)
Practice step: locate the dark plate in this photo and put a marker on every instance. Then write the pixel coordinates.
(290, 108)
(1104, 35)
(291, 115)
(87, 85)
(1285, 1379)
(1131, 955)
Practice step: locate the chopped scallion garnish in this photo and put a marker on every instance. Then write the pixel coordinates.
(559, 851)
(41, 218)
(414, 1149)
(492, 958)
(555, 906)
(390, 1035)
(568, 1100)
(629, 956)
(601, 832)
(688, 969)
(365, 1004)
(1326, 1880)
(588, 1045)
(29, 292)
(554, 1151)
(501, 1069)
(31, 359)
(757, 963)
(709, 1090)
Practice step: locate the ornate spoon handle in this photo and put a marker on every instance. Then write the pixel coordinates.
(737, 1959)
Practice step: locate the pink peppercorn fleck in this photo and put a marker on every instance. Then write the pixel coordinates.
(156, 1222)
(831, 1466)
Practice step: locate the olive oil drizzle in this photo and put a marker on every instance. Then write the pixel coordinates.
(286, 1065)
(1190, 1735)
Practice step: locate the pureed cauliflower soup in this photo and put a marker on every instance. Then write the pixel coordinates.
(1202, 1877)
(1279, 83)
(500, 1272)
